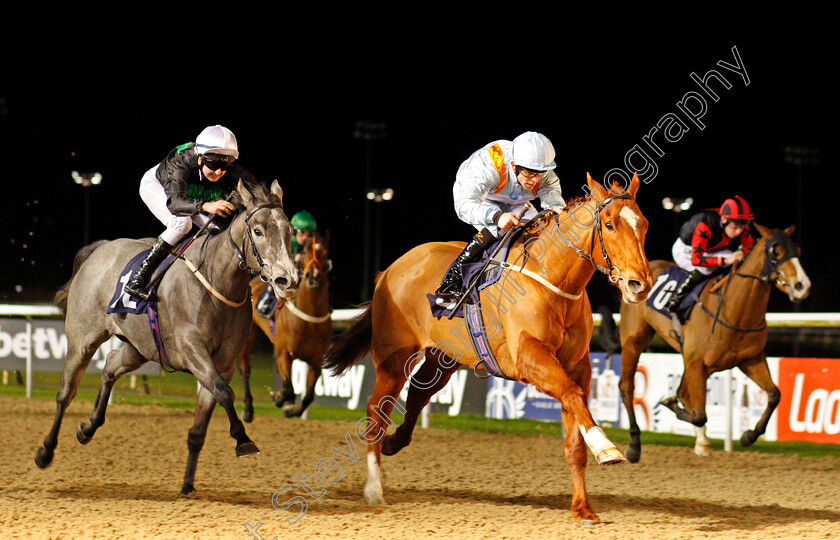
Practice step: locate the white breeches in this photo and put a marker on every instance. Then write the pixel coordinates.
(153, 194)
(682, 256)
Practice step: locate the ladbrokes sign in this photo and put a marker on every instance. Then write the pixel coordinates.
(810, 406)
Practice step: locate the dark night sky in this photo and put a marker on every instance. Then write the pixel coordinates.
(113, 91)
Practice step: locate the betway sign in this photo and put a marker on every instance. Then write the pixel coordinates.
(44, 342)
(810, 407)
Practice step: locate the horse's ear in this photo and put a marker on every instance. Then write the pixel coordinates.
(789, 230)
(277, 191)
(247, 198)
(589, 181)
(764, 231)
(593, 185)
(634, 185)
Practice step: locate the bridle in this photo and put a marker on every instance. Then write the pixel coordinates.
(314, 261)
(249, 236)
(608, 269)
(769, 269)
(771, 265)
(614, 278)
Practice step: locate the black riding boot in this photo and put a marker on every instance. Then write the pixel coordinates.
(694, 277)
(452, 286)
(138, 283)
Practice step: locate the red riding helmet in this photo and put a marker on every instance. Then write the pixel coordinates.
(736, 208)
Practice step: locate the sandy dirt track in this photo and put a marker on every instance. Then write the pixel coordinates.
(447, 484)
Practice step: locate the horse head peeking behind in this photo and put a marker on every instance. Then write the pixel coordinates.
(315, 262)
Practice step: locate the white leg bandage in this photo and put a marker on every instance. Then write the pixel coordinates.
(596, 439)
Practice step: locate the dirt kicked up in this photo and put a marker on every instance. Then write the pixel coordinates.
(125, 484)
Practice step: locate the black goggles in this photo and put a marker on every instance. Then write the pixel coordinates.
(217, 162)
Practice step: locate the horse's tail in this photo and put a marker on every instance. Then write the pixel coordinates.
(349, 347)
(60, 298)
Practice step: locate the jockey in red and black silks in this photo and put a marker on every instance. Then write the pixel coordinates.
(713, 239)
(706, 233)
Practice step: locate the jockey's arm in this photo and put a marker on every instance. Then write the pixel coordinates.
(470, 192)
(550, 193)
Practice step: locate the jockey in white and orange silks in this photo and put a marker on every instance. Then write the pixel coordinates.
(491, 188)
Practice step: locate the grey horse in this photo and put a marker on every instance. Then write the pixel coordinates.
(204, 315)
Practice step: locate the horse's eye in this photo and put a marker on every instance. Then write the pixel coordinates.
(609, 225)
(778, 252)
(258, 232)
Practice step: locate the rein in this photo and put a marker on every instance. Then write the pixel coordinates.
(305, 316)
(770, 267)
(607, 270)
(239, 253)
(210, 288)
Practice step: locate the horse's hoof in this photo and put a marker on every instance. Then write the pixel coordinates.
(748, 438)
(246, 449)
(633, 453)
(670, 402)
(388, 446)
(589, 522)
(80, 435)
(374, 495)
(703, 450)
(247, 416)
(43, 458)
(290, 411)
(610, 456)
(186, 489)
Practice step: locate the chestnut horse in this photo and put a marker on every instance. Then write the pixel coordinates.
(299, 329)
(542, 325)
(727, 328)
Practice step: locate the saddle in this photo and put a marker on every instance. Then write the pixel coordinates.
(478, 270)
(668, 282)
(122, 302)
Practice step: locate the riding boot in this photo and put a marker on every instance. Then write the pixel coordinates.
(694, 277)
(138, 283)
(452, 286)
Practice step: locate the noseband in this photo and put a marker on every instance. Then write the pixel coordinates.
(248, 235)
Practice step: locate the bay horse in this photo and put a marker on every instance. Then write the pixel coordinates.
(299, 329)
(202, 314)
(542, 325)
(727, 328)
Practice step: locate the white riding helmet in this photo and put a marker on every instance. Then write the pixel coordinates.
(217, 140)
(533, 151)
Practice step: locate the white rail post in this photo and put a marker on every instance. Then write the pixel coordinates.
(727, 440)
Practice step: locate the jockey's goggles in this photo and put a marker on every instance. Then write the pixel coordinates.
(217, 162)
(531, 173)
